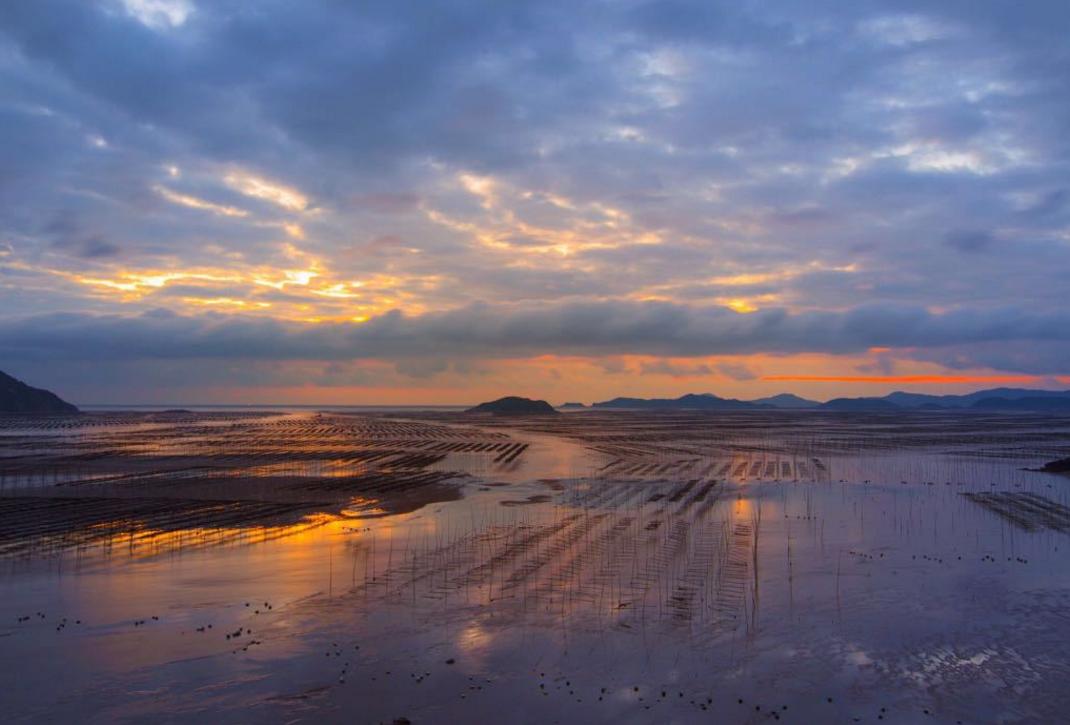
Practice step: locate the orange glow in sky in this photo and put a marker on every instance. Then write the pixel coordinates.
(920, 379)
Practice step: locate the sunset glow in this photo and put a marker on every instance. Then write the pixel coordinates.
(817, 232)
(458, 361)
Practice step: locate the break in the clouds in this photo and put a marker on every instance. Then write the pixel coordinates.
(427, 194)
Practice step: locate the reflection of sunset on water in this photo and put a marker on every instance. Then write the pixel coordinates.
(579, 544)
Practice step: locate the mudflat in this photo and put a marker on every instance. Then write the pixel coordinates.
(596, 566)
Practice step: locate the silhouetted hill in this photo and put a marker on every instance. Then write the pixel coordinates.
(690, 401)
(18, 397)
(787, 400)
(859, 404)
(513, 405)
(565, 406)
(994, 399)
(1027, 403)
(918, 400)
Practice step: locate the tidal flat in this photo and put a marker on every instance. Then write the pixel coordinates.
(616, 567)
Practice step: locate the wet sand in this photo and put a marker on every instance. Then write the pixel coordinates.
(597, 567)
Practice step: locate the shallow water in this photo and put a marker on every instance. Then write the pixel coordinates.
(623, 567)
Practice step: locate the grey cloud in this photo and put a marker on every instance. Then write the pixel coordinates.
(665, 367)
(421, 367)
(92, 247)
(966, 240)
(70, 235)
(736, 371)
(387, 203)
(575, 327)
(1052, 203)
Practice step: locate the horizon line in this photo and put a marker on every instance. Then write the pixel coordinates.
(469, 404)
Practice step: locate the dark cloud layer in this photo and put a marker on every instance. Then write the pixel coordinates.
(568, 327)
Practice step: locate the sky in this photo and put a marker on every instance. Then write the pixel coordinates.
(443, 202)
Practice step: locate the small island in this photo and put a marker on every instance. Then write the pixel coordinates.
(1060, 466)
(514, 405)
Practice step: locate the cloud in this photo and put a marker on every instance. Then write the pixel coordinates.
(736, 371)
(91, 247)
(582, 328)
(71, 236)
(159, 14)
(195, 203)
(968, 240)
(675, 370)
(421, 367)
(604, 178)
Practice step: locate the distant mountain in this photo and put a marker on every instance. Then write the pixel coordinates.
(513, 405)
(994, 399)
(1037, 403)
(18, 397)
(859, 404)
(918, 400)
(787, 400)
(691, 401)
(567, 406)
